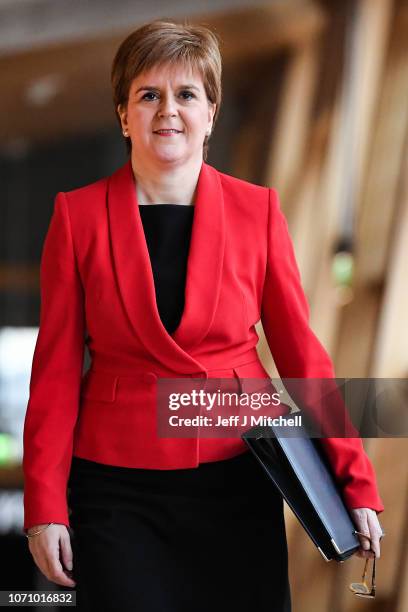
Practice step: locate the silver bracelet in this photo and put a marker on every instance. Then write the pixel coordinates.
(31, 535)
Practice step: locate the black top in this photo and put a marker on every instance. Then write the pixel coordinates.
(167, 229)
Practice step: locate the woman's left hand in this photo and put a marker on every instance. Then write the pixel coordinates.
(366, 522)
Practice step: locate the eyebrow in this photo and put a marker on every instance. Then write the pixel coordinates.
(149, 87)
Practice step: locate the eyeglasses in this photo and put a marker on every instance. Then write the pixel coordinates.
(361, 589)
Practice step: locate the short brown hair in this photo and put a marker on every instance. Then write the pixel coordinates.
(165, 42)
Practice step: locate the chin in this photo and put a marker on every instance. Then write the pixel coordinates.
(169, 156)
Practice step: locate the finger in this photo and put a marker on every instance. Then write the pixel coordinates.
(66, 551)
(375, 533)
(41, 562)
(365, 554)
(363, 529)
(56, 573)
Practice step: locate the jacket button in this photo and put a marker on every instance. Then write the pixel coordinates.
(149, 377)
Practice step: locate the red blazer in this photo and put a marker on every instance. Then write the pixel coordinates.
(97, 288)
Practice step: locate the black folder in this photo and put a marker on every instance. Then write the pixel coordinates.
(301, 472)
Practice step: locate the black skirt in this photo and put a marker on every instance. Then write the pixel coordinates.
(208, 538)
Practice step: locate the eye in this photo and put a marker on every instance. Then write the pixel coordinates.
(148, 93)
(187, 95)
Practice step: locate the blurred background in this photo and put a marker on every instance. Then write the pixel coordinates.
(315, 104)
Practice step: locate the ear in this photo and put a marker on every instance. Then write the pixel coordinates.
(211, 112)
(123, 116)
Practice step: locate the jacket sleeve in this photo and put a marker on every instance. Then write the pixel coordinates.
(55, 377)
(298, 353)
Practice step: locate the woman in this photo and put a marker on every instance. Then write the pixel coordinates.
(168, 265)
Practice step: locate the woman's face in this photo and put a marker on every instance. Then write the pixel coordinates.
(167, 98)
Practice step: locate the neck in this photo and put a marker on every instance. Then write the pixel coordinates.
(176, 185)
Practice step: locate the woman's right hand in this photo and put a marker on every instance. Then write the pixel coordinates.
(52, 553)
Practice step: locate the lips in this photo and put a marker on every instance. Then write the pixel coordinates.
(167, 131)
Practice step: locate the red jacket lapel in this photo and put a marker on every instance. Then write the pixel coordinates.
(134, 272)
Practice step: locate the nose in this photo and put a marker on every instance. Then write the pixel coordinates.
(167, 107)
